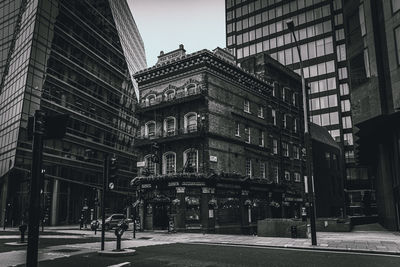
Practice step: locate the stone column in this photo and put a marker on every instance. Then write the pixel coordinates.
(54, 202)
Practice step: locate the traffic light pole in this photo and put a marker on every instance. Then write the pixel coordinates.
(103, 197)
(34, 204)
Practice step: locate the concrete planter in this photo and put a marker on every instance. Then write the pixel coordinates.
(281, 228)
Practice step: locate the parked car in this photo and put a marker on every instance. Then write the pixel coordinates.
(109, 223)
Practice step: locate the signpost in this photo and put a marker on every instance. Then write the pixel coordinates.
(40, 127)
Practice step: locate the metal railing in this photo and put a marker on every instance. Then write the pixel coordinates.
(161, 134)
(161, 98)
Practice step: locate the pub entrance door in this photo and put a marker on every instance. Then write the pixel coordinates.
(160, 216)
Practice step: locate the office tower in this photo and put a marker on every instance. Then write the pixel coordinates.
(66, 57)
(259, 26)
(373, 47)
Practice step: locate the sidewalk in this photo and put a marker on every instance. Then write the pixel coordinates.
(360, 241)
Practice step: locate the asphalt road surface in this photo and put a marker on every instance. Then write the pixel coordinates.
(212, 255)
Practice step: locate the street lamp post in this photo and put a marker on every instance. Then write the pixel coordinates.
(307, 142)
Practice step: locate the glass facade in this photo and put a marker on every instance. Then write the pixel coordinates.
(259, 26)
(68, 59)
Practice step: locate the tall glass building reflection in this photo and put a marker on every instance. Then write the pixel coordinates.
(67, 57)
(259, 26)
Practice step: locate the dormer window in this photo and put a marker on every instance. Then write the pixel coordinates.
(191, 89)
(151, 99)
(170, 94)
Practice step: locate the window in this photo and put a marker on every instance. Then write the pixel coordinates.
(273, 116)
(248, 168)
(395, 5)
(275, 173)
(151, 99)
(275, 146)
(284, 121)
(170, 94)
(344, 89)
(296, 152)
(190, 160)
(342, 73)
(261, 138)
(348, 139)
(190, 122)
(260, 112)
(285, 149)
(150, 165)
(150, 129)
(297, 177)
(247, 134)
(366, 63)
(169, 163)
(295, 126)
(287, 175)
(328, 159)
(169, 126)
(341, 52)
(345, 105)
(262, 170)
(246, 106)
(191, 89)
(397, 38)
(346, 121)
(362, 20)
(237, 129)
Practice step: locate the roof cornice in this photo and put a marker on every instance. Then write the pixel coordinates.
(202, 58)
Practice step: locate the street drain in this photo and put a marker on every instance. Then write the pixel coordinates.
(66, 250)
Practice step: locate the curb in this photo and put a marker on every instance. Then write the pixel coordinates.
(16, 244)
(303, 248)
(112, 253)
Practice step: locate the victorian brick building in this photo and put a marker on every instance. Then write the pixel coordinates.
(218, 147)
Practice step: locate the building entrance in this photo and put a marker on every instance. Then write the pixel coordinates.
(160, 216)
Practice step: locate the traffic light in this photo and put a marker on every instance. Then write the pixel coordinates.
(53, 127)
(112, 174)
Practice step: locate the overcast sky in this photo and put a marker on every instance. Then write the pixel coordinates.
(164, 24)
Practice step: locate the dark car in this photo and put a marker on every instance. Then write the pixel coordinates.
(110, 222)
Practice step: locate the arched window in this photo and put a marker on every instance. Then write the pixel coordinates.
(170, 94)
(190, 160)
(169, 163)
(190, 122)
(169, 126)
(151, 99)
(191, 89)
(151, 167)
(150, 129)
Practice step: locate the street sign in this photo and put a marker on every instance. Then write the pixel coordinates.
(140, 164)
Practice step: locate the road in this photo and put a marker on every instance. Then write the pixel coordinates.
(213, 255)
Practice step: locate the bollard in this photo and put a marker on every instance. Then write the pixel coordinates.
(22, 229)
(118, 233)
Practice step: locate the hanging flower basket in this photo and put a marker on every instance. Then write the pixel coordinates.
(213, 202)
(274, 204)
(176, 202)
(247, 202)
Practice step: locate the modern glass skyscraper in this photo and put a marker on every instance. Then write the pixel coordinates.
(258, 26)
(66, 57)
